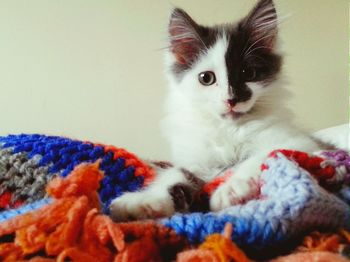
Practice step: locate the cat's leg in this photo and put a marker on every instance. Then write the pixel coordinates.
(244, 184)
(172, 191)
(241, 186)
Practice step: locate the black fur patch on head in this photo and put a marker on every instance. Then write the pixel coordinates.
(250, 55)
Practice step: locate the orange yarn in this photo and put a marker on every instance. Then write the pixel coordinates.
(216, 248)
(71, 228)
(317, 241)
(319, 247)
(316, 256)
(345, 234)
(196, 255)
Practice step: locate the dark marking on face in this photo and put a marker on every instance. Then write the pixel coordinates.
(250, 56)
(248, 61)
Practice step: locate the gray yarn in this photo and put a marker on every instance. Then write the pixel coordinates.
(22, 176)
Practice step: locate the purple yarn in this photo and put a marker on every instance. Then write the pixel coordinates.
(338, 158)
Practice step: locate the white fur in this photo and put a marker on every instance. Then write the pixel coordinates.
(206, 136)
(153, 202)
(205, 142)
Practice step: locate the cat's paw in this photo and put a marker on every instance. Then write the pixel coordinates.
(141, 205)
(232, 192)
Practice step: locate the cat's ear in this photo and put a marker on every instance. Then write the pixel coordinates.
(184, 34)
(262, 23)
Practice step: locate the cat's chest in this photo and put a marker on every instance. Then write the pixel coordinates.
(203, 141)
(229, 142)
(220, 143)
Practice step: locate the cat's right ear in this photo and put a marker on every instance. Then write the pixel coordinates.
(185, 41)
(262, 23)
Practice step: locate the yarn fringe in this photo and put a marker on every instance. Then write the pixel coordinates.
(216, 248)
(71, 228)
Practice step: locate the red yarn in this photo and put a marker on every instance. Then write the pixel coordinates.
(310, 163)
(210, 187)
(264, 167)
(17, 203)
(5, 199)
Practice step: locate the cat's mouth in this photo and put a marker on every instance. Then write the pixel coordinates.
(237, 110)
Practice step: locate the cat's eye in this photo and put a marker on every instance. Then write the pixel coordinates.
(249, 74)
(207, 78)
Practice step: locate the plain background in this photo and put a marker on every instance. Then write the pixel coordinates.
(93, 70)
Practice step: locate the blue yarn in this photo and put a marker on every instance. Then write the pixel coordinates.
(97, 152)
(345, 193)
(118, 190)
(117, 169)
(108, 190)
(135, 184)
(126, 174)
(293, 202)
(61, 155)
(106, 163)
(5, 215)
(38, 149)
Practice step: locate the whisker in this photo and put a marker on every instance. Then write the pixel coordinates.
(257, 41)
(256, 48)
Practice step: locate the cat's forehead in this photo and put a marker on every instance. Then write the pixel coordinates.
(214, 38)
(228, 32)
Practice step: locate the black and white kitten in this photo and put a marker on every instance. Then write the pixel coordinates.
(225, 110)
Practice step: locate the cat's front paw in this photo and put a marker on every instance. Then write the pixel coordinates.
(233, 192)
(141, 205)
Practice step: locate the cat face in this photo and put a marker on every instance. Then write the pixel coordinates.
(226, 68)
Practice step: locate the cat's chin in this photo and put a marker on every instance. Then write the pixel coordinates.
(233, 115)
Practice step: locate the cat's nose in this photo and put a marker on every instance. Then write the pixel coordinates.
(231, 102)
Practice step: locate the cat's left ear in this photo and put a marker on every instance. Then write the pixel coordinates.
(261, 23)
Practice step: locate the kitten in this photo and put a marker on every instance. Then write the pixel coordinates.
(225, 111)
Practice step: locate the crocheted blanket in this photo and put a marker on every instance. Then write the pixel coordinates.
(48, 200)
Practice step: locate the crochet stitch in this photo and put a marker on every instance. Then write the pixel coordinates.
(70, 227)
(28, 162)
(298, 193)
(291, 201)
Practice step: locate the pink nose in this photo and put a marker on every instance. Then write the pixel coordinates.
(231, 102)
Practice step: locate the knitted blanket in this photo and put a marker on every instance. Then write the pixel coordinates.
(299, 193)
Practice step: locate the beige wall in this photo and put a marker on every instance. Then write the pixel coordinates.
(93, 69)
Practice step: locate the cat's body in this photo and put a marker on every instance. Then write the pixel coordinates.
(204, 143)
(225, 111)
(202, 140)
